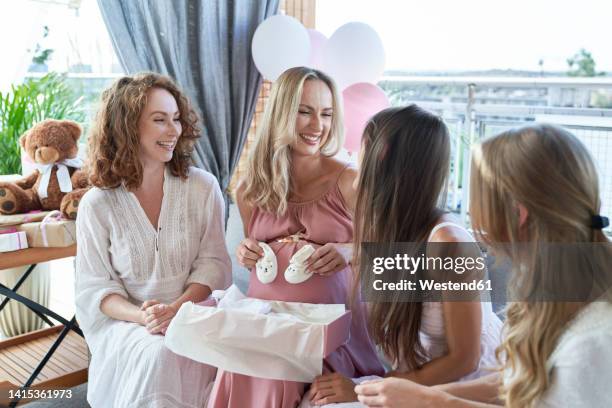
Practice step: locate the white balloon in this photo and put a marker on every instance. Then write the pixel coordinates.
(279, 43)
(317, 44)
(354, 53)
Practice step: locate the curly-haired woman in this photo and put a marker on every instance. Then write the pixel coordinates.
(150, 237)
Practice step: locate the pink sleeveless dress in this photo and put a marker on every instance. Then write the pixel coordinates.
(325, 219)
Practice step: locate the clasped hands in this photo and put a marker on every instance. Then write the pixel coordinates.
(156, 316)
(326, 260)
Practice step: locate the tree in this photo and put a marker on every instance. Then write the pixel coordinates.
(582, 64)
(42, 55)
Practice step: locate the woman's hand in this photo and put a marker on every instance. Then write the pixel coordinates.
(332, 388)
(142, 314)
(248, 252)
(157, 316)
(329, 259)
(398, 393)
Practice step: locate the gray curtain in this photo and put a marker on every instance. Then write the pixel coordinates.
(205, 45)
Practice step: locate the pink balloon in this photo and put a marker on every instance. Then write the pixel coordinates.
(317, 42)
(361, 101)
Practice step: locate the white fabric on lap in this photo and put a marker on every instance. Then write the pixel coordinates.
(137, 370)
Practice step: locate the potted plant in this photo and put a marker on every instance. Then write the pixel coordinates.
(23, 106)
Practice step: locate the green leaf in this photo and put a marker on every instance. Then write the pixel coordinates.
(27, 104)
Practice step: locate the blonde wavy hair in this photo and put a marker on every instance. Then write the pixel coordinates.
(268, 180)
(507, 170)
(114, 141)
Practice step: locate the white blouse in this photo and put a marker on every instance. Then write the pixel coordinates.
(119, 250)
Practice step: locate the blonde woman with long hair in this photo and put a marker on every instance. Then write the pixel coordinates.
(296, 194)
(536, 189)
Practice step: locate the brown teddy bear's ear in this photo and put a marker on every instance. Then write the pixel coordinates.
(73, 128)
(23, 139)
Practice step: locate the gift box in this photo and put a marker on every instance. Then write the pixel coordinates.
(13, 241)
(52, 231)
(16, 219)
(52, 234)
(265, 339)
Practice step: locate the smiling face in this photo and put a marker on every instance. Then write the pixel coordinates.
(159, 127)
(314, 118)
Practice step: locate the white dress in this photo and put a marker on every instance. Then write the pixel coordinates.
(119, 251)
(432, 335)
(432, 332)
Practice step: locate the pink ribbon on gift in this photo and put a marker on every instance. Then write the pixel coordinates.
(53, 216)
(8, 230)
(27, 219)
(22, 245)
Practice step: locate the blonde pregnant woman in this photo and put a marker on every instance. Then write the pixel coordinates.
(297, 194)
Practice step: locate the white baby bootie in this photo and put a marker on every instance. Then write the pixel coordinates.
(266, 268)
(296, 271)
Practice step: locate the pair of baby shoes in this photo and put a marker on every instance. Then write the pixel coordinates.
(266, 267)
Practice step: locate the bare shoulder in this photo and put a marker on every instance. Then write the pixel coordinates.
(453, 232)
(240, 190)
(244, 208)
(338, 168)
(347, 178)
(243, 205)
(346, 174)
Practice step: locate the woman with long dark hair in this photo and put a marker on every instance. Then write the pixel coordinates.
(535, 198)
(402, 180)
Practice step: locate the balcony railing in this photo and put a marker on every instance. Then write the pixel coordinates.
(471, 121)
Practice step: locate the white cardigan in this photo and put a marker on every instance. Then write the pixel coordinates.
(581, 364)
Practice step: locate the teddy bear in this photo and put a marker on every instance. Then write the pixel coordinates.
(58, 181)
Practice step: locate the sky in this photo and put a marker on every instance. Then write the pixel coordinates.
(432, 35)
(74, 37)
(455, 35)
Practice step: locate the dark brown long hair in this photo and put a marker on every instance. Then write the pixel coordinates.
(114, 143)
(402, 180)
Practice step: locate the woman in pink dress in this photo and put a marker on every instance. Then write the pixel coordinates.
(295, 193)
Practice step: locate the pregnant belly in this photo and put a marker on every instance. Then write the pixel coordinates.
(318, 289)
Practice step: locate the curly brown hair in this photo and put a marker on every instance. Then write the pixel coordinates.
(114, 142)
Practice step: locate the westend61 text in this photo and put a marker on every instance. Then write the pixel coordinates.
(430, 284)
